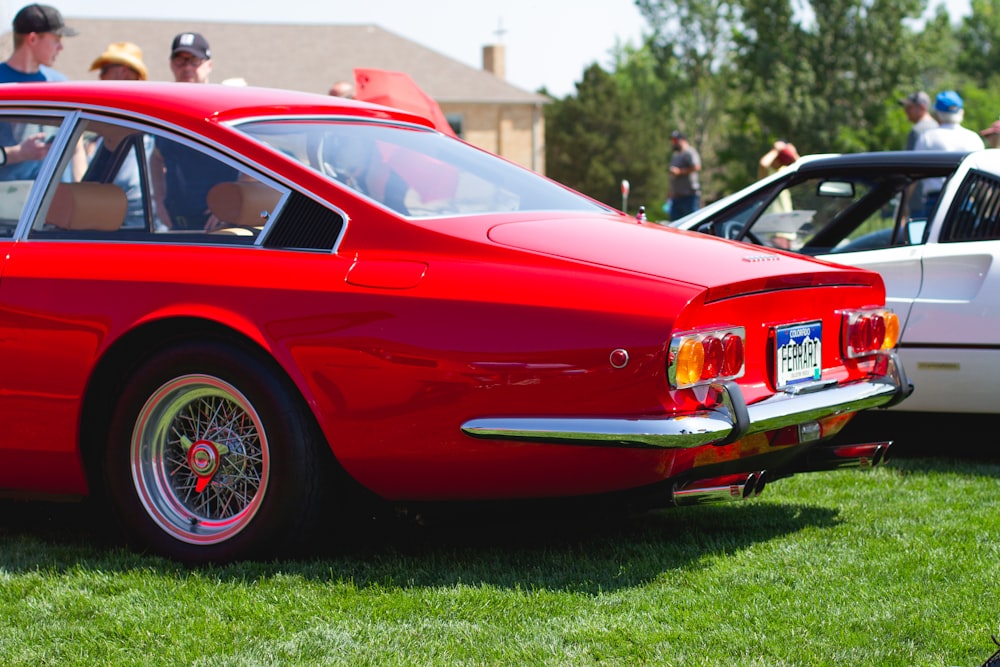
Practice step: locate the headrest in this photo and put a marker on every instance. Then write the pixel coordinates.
(245, 203)
(87, 206)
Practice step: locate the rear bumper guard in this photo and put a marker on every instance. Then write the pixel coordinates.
(729, 422)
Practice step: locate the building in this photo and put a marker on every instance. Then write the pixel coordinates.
(486, 110)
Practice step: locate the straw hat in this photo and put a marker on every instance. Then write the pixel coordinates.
(122, 53)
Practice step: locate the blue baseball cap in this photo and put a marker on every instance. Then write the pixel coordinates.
(948, 101)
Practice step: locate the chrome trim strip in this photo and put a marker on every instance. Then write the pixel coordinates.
(718, 426)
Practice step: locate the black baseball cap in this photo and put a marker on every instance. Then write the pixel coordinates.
(193, 43)
(41, 18)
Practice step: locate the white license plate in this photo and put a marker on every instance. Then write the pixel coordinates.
(798, 353)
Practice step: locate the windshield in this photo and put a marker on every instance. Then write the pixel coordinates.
(417, 173)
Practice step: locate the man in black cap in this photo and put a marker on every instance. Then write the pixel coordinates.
(182, 176)
(190, 58)
(38, 32)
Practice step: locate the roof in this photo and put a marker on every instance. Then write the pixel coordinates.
(896, 161)
(299, 57)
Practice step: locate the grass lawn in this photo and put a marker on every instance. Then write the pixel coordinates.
(896, 566)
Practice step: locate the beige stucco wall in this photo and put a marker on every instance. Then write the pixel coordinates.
(513, 131)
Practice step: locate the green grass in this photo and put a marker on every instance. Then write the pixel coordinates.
(896, 566)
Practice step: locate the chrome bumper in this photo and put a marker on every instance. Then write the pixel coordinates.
(732, 420)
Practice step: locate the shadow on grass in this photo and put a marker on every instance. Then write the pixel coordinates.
(520, 547)
(555, 545)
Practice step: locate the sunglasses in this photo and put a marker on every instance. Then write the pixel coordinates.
(185, 61)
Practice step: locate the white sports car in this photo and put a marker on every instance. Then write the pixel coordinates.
(929, 222)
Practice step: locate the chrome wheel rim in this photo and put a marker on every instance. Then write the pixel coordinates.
(199, 458)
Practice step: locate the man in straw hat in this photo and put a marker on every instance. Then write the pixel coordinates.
(121, 61)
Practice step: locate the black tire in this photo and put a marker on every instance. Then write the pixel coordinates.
(213, 457)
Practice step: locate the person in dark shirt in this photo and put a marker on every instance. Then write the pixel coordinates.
(38, 32)
(182, 176)
(185, 180)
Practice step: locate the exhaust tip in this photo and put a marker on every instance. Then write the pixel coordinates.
(727, 488)
(881, 455)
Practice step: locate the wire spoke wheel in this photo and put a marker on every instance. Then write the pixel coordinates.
(199, 459)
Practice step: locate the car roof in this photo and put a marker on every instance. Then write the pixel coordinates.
(184, 102)
(897, 161)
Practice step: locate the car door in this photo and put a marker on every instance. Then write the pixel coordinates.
(24, 405)
(951, 343)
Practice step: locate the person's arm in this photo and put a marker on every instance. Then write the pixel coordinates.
(689, 169)
(32, 148)
(81, 159)
(158, 179)
(768, 159)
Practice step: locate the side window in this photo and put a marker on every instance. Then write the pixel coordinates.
(25, 141)
(113, 154)
(975, 213)
(145, 186)
(802, 210)
(875, 232)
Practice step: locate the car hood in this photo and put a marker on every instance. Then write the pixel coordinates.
(725, 267)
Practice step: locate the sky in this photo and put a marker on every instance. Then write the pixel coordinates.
(548, 42)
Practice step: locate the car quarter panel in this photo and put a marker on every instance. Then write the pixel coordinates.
(392, 372)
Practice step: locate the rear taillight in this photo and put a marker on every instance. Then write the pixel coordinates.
(869, 331)
(703, 357)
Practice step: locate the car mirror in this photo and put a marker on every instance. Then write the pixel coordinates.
(844, 189)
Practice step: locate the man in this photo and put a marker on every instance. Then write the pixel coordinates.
(685, 188)
(121, 61)
(190, 58)
(38, 31)
(182, 176)
(917, 108)
(948, 136)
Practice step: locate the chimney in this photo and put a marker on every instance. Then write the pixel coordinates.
(494, 60)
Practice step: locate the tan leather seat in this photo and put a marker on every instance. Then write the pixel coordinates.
(87, 206)
(243, 203)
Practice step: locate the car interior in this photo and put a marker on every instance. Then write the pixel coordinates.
(106, 185)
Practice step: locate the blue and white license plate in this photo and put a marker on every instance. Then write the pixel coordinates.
(798, 353)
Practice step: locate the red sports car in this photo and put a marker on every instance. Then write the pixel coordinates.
(221, 308)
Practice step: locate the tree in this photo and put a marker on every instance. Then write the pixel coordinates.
(833, 69)
(604, 134)
(692, 41)
(979, 53)
(736, 75)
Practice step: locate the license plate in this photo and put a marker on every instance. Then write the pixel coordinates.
(798, 353)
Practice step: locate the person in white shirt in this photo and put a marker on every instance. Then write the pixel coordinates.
(948, 136)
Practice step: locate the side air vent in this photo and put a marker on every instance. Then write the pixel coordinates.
(305, 224)
(975, 213)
